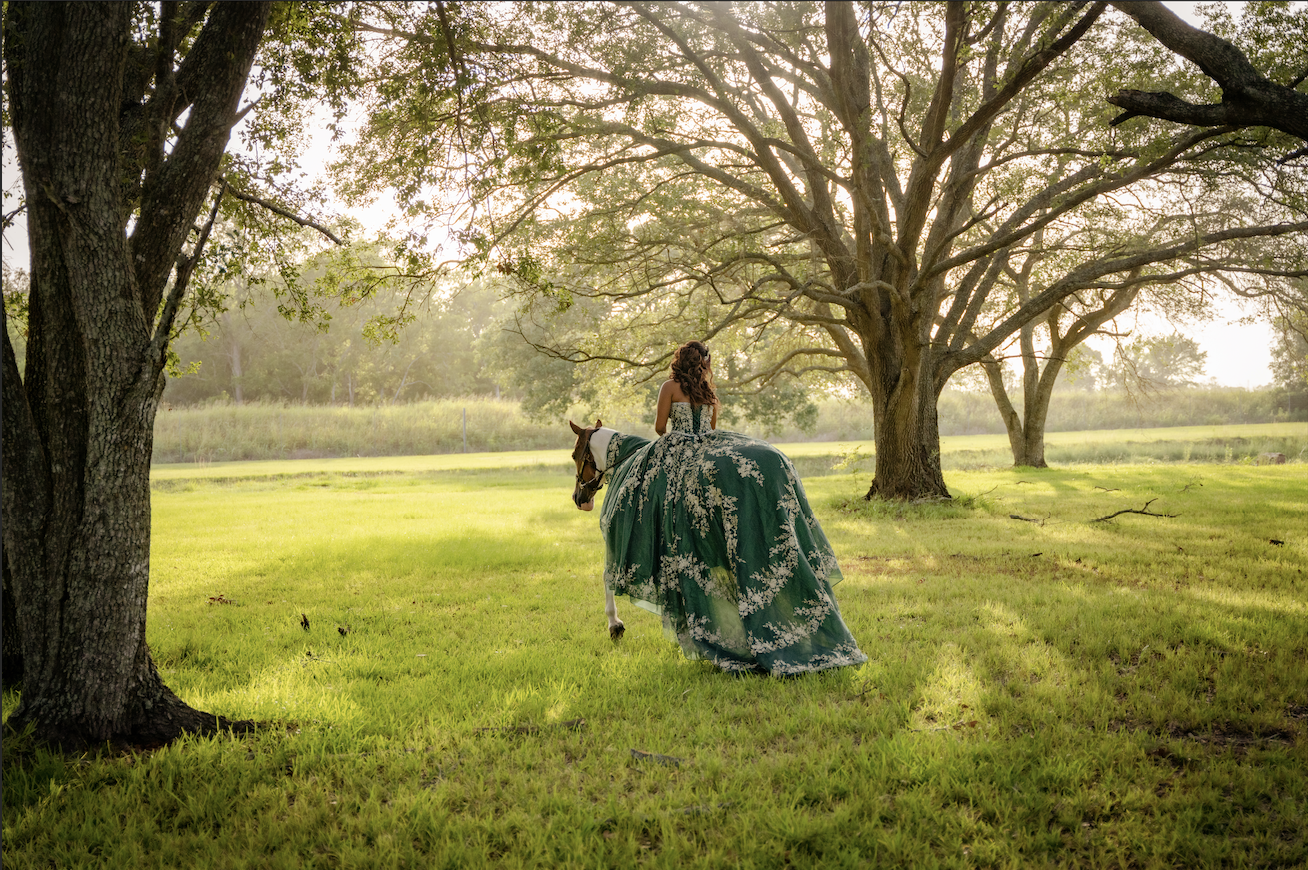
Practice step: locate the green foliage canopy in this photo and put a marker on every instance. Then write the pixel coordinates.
(835, 192)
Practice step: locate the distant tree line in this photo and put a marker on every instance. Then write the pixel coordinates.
(466, 342)
(252, 353)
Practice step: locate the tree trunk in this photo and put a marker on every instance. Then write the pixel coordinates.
(1041, 395)
(908, 452)
(234, 354)
(79, 424)
(1017, 440)
(1037, 414)
(77, 531)
(1026, 432)
(907, 435)
(11, 666)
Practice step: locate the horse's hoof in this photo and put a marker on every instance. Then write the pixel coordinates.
(616, 631)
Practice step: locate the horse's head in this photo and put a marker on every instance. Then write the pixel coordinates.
(589, 478)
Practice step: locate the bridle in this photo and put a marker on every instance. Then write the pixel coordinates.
(586, 489)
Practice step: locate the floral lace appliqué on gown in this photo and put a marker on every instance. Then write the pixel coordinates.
(712, 530)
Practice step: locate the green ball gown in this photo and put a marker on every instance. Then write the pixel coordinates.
(712, 530)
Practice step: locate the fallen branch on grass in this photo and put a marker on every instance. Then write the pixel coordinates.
(705, 809)
(867, 687)
(1144, 511)
(570, 725)
(665, 760)
(955, 726)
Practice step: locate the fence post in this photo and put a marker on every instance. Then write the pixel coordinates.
(465, 430)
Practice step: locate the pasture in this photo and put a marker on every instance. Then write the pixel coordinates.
(220, 433)
(1043, 691)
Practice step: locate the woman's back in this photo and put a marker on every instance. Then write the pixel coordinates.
(691, 419)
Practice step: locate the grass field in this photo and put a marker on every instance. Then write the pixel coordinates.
(1047, 691)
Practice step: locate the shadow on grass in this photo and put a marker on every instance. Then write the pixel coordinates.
(1132, 695)
(1083, 648)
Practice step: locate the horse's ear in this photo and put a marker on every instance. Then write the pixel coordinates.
(599, 424)
(576, 430)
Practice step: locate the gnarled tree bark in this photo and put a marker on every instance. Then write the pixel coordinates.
(110, 209)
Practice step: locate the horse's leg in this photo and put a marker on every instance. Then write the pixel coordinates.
(616, 628)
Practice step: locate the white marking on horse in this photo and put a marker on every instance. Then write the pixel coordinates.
(616, 627)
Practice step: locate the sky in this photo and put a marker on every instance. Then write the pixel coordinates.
(1238, 353)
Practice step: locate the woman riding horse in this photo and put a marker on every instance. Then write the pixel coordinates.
(712, 530)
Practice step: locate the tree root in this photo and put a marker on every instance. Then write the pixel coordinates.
(154, 718)
(154, 734)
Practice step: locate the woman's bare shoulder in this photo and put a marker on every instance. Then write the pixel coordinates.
(672, 389)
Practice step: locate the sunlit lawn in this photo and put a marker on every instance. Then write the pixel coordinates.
(1053, 692)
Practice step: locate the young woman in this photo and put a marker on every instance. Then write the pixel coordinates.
(691, 384)
(712, 530)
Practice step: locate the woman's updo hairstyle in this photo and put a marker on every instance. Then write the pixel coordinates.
(690, 369)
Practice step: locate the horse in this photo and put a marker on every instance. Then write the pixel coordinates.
(590, 480)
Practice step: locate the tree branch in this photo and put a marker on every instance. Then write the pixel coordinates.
(210, 81)
(9, 216)
(1144, 511)
(1090, 274)
(1031, 67)
(282, 212)
(163, 331)
(1248, 98)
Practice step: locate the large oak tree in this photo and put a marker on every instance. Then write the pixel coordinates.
(1252, 267)
(850, 185)
(121, 114)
